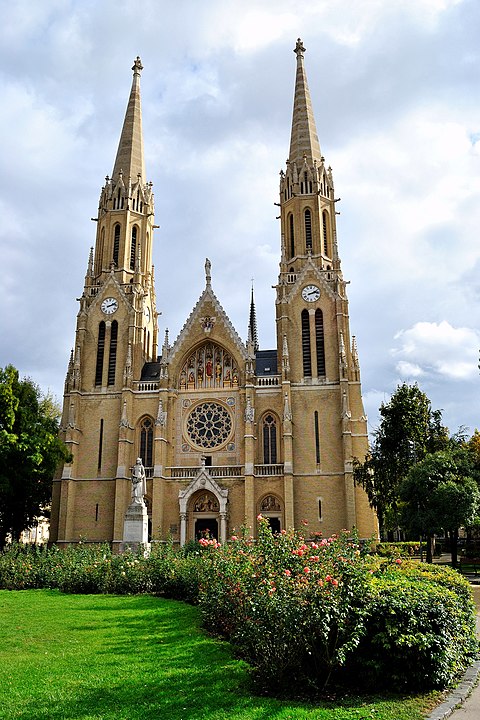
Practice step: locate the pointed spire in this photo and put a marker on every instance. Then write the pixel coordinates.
(304, 139)
(252, 324)
(130, 161)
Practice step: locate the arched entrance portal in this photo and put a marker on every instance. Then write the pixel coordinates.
(202, 506)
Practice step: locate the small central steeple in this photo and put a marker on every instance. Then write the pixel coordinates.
(130, 160)
(304, 139)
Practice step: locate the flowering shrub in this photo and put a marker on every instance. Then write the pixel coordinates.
(310, 611)
(320, 611)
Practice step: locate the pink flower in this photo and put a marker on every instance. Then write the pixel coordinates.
(335, 582)
(328, 578)
(260, 517)
(234, 537)
(306, 570)
(287, 573)
(304, 522)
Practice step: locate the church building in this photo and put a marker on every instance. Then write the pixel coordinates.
(226, 431)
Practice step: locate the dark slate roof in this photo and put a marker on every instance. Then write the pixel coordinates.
(150, 371)
(266, 362)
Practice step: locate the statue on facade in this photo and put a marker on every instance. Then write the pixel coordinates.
(139, 484)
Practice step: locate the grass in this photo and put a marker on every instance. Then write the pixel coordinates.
(108, 657)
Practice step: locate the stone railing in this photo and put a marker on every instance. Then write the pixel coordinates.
(268, 470)
(215, 471)
(271, 381)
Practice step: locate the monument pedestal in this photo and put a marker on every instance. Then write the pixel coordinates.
(135, 527)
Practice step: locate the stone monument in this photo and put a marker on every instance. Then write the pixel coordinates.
(135, 524)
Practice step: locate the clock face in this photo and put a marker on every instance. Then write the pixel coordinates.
(310, 293)
(109, 305)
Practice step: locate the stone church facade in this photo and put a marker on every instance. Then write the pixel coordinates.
(226, 431)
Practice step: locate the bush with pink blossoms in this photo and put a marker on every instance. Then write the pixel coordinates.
(315, 612)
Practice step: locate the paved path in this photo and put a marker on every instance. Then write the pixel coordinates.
(470, 708)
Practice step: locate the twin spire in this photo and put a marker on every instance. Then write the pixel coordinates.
(304, 139)
(130, 159)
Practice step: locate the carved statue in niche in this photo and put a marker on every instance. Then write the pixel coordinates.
(206, 503)
(209, 366)
(270, 503)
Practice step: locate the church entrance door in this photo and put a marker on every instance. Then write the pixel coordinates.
(206, 527)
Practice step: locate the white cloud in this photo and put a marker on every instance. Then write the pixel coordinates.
(437, 349)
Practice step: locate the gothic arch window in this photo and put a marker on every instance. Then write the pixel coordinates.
(112, 357)
(306, 347)
(320, 343)
(133, 247)
(325, 233)
(116, 243)
(100, 251)
(100, 354)
(269, 438)
(146, 442)
(291, 235)
(308, 229)
(209, 366)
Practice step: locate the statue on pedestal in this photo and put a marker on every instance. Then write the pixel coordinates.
(139, 485)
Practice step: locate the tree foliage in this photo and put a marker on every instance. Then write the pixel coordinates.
(441, 493)
(409, 429)
(30, 451)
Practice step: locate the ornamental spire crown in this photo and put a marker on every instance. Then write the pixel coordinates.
(130, 160)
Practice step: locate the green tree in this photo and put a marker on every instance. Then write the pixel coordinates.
(408, 430)
(30, 451)
(440, 493)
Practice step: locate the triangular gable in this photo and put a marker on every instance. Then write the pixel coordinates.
(180, 344)
(310, 269)
(203, 481)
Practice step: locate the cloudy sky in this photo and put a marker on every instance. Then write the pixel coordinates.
(395, 86)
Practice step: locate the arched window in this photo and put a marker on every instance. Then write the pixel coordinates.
(146, 442)
(100, 353)
(116, 243)
(320, 343)
(112, 358)
(291, 235)
(133, 248)
(306, 348)
(269, 440)
(325, 233)
(99, 257)
(308, 229)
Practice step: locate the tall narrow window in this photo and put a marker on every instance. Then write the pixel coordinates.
(269, 440)
(99, 255)
(320, 343)
(291, 235)
(308, 229)
(317, 437)
(146, 442)
(100, 445)
(112, 358)
(325, 232)
(306, 348)
(133, 248)
(116, 243)
(100, 353)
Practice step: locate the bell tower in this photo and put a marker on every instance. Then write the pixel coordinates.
(116, 324)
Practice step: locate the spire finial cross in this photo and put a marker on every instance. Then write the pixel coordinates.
(299, 48)
(137, 66)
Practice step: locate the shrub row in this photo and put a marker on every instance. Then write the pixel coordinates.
(309, 612)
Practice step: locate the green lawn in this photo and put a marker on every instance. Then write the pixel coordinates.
(108, 657)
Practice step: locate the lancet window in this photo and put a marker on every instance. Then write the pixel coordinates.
(306, 346)
(116, 243)
(210, 366)
(269, 440)
(133, 247)
(112, 357)
(320, 343)
(308, 229)
(146, 442)
(100, 353)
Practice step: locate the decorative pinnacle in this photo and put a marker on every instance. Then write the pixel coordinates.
(299, 49)
(137, 66)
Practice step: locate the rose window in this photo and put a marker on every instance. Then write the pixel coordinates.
(209, 425)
